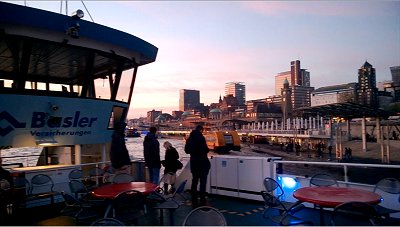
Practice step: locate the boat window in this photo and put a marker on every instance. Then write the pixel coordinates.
(124, 86)
(102, 87)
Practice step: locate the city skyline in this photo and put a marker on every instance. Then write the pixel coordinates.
(203, 45)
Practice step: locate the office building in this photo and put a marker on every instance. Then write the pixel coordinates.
(298, 81)
(238, 90)
(189, 99)
(367, 91)
(334, 94)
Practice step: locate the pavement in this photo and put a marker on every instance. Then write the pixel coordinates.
(372, 155)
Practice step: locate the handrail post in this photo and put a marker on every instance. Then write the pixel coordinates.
(346, 178)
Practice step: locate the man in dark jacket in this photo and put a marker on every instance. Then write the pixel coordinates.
(151, 150)
(119, 155)
(196, 146)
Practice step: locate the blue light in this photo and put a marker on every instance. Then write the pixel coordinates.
(288, 182)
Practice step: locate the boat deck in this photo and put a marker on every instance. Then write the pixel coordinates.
(237, 212)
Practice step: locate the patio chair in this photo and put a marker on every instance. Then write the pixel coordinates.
(41, 187)
(107, 222)
(171, 202)
(78, 188)
(204, 216)
(354, 213)
(83, 211)
(75, 174)
(272, 186)
(123, 178)
(285, 210)
(391, 186)
(127, 207)
(323, 179)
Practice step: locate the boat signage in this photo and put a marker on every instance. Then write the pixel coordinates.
(38, 120)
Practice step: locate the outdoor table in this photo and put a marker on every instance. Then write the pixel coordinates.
(331, 197)
(111, 191)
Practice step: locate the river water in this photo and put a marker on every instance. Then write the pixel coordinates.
(28, 156)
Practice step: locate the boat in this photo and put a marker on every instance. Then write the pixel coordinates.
(53, 69)
(222, 141)
(49, 68)
(132, 132)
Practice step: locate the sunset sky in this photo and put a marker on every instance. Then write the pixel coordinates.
(204, 44)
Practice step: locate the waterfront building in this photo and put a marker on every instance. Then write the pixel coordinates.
(177, 114)
(367, 92)
(286, 104)
(299, 82)
(334, 94)
(238, 90)
(152, 115)
(395, 70)
(189, 99)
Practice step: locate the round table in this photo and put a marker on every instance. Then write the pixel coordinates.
(110, 191)
(333, 196)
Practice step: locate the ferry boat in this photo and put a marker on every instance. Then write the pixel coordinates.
(222, 141)
(132, 132)
(50, 66)
(62, 85)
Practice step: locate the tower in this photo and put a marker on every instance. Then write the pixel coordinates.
(286, 93)
(367, 91)
(238, 90)
(188, 99)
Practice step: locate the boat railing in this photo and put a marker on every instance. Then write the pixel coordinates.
(296, 174)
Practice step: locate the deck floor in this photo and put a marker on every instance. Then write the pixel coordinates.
(237, 212)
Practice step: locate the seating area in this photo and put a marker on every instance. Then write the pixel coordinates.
(147, 206)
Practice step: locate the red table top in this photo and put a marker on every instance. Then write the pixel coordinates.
(333, 196)
(110, 191)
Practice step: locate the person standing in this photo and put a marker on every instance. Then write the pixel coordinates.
(151, 150)
(119, 155)
(170, 162)
(196, 146)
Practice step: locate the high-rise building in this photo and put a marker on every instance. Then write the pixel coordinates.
(238, 90)
(395, 70)
(367, 92)
(188, 99)
(299, 82)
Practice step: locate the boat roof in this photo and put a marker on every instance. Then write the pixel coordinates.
(50, 47)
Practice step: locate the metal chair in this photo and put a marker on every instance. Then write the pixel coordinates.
(75, 174)
(391, 186)
(82, 211)
(42, 186)
(127, 207)
(107, 222)
(205, 216)
(272, 186)
(354, 213)
(123, 178)
(171, 202)
(78, 188)
(322, 179)
(285, 210)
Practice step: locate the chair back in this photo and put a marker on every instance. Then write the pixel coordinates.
(77, 186)
(75, 174)
(205, 216)
(389, 185)
(357, 212)
(322, 179)
(107, 222)
(128, 204)
(123, 178)
(270, 201)
(41, 183)
(272, 186)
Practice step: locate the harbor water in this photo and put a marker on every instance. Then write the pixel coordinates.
(28, 156)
